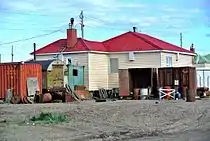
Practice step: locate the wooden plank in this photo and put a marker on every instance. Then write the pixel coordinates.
(124, 82)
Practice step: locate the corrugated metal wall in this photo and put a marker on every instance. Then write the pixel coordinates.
(167, 76)
(14, 76)
(203, 78)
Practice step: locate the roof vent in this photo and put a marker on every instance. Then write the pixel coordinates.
(134, 29)
(177, 56)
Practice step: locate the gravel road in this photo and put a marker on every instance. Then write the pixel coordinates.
(135, 120)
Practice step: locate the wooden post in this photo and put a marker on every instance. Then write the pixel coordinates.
(192, 86)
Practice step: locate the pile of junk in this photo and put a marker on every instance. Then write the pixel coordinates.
(59, 95)
(64, 95)
(203, 92)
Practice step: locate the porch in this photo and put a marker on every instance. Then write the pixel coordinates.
(183, 79)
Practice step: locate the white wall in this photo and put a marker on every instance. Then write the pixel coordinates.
(183, 61)
(98, 71)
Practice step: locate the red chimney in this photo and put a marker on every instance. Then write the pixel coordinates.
(192, 48)
(71, 35)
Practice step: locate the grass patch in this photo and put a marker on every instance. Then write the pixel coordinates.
(49, 118)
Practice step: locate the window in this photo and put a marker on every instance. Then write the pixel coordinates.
(75, 72)
(168, 61)
(113, 65)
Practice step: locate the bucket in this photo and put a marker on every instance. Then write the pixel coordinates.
(144, 93)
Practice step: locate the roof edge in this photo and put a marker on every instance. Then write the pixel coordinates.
(151, 51)
(46, 46)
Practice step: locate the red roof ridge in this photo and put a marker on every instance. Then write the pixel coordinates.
(183, 49)
(83, 41)
(145, 40)
(115, 37)
(46, 46)
(86, 40)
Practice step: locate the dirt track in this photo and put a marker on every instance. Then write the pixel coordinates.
(119, 120)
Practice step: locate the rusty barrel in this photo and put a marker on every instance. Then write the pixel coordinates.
(47, 97)
(136, 93)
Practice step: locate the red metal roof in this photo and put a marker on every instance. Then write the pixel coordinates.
(129, 41)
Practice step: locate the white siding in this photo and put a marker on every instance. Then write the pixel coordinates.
(183, 61)
(113, 80)
(142, 60)
(98, 71)
(80, 58)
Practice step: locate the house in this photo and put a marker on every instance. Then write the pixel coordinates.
(106, 62)
(203, 70)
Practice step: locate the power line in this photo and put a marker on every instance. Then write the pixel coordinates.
(22, 13)
(94, 18)
(40, 29)
(38, 36)
(109, 25)
(109, 28)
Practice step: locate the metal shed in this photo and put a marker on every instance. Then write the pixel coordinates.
(52, 73)
(14, 76)
(75, 75)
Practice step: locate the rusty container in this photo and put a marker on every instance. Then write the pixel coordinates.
(47, 98)
(124, 82)
(14, 76)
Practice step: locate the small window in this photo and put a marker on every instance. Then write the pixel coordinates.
(113, 65)
(75, 72)
(168, 61)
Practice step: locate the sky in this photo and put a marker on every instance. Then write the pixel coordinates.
(24, 22)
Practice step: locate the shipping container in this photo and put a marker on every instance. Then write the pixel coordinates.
(14, 76)
(203, 77)
(75, 75)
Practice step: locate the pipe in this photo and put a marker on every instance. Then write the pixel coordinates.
(34, 51)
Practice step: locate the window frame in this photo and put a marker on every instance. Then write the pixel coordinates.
(111, 63)
(169, 61)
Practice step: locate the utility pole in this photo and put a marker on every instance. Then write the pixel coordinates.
(12, 53)
(81, 16)
(181, 39)
(34, 51)
(0, 58)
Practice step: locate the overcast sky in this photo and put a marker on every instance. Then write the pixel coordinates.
(165, 19)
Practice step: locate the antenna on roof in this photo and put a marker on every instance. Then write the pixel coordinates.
(181, 39)
(134, 29)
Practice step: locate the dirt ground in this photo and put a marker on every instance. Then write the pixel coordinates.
(110, 121)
